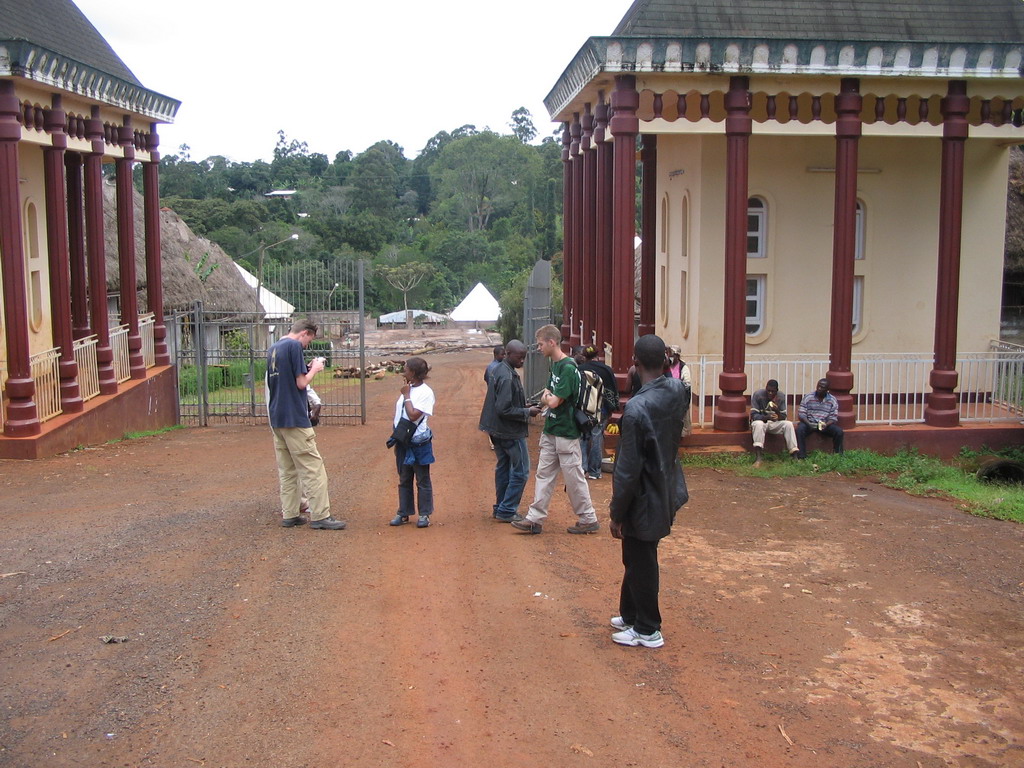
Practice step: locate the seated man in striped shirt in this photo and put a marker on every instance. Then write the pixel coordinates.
(819, 412)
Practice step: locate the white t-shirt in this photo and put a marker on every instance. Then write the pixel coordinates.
(422, 397)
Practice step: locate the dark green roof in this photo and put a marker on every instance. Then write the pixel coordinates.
(52, 42)
(960, 21)
(58, 26)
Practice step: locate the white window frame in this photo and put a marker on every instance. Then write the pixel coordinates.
(858, 240)
(758, 209)
(858, 304)
(758, 297)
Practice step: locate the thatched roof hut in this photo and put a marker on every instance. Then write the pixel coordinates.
(1015, 212)
(223, 290)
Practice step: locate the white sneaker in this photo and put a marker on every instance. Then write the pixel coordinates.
(619, 624)
(632, 637)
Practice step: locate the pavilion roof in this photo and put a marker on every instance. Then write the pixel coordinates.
(938, 39)
(52, 42)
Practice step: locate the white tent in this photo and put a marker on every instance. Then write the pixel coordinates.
(478, 306)
(417, 314)
(274, 307)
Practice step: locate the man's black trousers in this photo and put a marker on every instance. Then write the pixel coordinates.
(638, 600)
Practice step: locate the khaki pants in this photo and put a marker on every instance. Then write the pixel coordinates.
(560, 453)
(785, 428)
(299, 459)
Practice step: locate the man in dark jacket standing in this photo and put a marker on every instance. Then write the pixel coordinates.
(648, 489)
(505, 417)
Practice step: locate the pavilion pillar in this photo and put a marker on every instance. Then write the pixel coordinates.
(96, 254)
(731, 412)
(126, 249)
(649, 222)
(624, 126)
(604, 218)
(943, 408)
(57, 254)
(588, 257)
(576, 289)
(568, 229)
(76, 247)
(22, 416)
(154, 271)
(849, 103)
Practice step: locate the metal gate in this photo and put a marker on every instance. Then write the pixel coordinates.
(221, 356)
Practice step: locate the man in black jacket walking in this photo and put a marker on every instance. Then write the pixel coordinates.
(505, 417)
(648, 489)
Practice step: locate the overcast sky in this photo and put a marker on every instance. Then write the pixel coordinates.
(343, 75)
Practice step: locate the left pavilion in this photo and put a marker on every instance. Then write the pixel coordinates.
(72, 373)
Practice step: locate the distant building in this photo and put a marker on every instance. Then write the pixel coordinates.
(69, 105)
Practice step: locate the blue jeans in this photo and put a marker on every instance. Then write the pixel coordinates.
(593, 449)
(510, 474)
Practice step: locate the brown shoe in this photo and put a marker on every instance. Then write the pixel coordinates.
(526, 526)
(585, 527)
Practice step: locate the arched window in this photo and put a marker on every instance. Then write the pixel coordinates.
(757, 228)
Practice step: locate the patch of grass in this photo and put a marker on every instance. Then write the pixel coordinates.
(907, 471)
(146, 433)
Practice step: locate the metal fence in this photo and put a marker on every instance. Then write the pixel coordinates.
(119, 345)
(221, 358)
(88, 368)
(888, 389)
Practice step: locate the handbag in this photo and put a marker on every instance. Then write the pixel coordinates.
(403, 432)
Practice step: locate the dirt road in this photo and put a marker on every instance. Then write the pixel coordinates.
(810, 622)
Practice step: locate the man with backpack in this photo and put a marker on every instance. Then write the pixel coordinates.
(593, 441)
(560, 442)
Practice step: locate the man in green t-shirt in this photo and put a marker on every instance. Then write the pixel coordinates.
(560, 443)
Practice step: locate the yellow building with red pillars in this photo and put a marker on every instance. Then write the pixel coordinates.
(71, 373)
(823, 190)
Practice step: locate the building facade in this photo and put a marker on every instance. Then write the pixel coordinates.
(72, 115)
(822, 183)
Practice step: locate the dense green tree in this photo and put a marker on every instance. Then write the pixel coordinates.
(479, 178)
(522, 125)
(474, 206)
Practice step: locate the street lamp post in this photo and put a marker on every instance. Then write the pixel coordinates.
(259, 270)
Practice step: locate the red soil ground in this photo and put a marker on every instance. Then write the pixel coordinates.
(811, 622)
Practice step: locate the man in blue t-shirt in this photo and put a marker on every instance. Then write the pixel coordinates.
(294, 439)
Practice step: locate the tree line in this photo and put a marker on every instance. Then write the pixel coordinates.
(472, 206)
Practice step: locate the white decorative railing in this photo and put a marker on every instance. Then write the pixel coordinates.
(88, 367)
(888, 389)
(147, 323)
(3, 390)
(46, 375)
(119, 345)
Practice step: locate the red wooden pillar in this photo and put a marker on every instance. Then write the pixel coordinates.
(649, 219)
(588, 257)
(22, 417)
(576, 289)
(942, 408)
(154, 272)
(844, 243)
(731, 413)
(624, 126)
(57, 254)
(96, 254)
(568, 229)
(126, 249)
(76, 247)
(604, 218)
